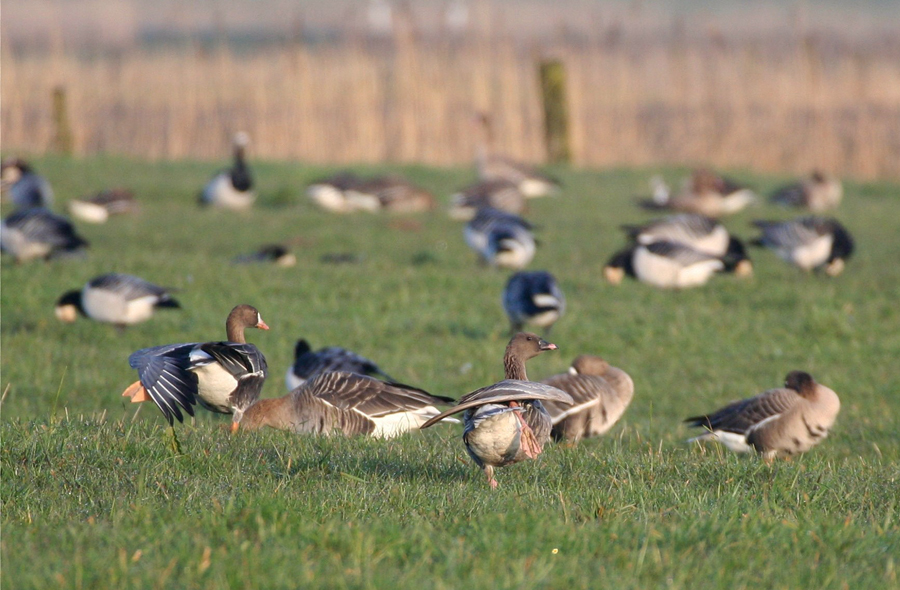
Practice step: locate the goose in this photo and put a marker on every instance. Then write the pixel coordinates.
(27, 189)
(114, 298)
(339, 402)
(499, 194)
(505, 423)
(232, 188)
(808, 242)
(38, 233)
(705, 193)
(394, 194)
(533, 297)
(500, 239)
(224, 377)
(818, 192)
(667, 265)
(309, 363)
(331, 194)
(98, 208)
(493, 166)
(783, 421)
(601, 393)
(275, 253)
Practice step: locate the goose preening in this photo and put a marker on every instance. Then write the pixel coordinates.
(808, 242)
(114, 298)
(276, 254)
(500, 238)
(309, 363)
(505, 423)
(232, 188)
(705, 193)
(347, 193)
(339, 402)
(224, 377)
(601, 394)
(498, 194)
(98, 208)
(38, 233)
(27, 189)
(818, 192)
(783, 421)
(533, 297)
(492, 166)
(668, 265)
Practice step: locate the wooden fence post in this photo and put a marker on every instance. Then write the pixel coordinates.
(556, 114)
(62, 137)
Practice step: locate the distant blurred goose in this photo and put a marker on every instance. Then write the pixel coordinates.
(27, 189)
(98, 208)
(347, 193)
(224, 377)
(309, 363)
(818, 192)
(776, 422)
(808, 242)
(704, 193)
(533, 297)
(498, 194)
(667, 265)
(115, 298)
(492, 166)
(345, 403)
(500, 239)
(38, 233)
(505, 423)
(329, 194)
(275, 253)
(232, 188)
(601, 393)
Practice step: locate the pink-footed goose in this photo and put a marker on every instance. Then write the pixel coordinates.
(818, 192)
(99, 207)
(705, 193)
(493, 166)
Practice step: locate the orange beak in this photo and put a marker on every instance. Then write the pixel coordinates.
(137, 393)
(262, 325)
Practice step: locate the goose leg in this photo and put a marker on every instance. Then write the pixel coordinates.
(527, 440)
(489, 471)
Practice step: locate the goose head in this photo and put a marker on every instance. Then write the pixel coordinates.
(241, 317)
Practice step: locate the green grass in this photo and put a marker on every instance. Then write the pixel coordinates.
(92, 495)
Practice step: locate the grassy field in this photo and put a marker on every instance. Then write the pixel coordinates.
(93, 496)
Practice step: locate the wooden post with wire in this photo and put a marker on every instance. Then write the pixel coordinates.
(556, 113)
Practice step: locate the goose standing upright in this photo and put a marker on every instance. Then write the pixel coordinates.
(27, 189)
(224, 377)
(492, 166)
(309, 363)
(505, 423)
(38, 233)
(115, 298)
(533, 297)
(808, 242)
(500, 239)
(817, 193)
(232, 188)
(783, 421)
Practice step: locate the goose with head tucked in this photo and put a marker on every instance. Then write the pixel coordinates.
(115, 298)
(494, 166)
(98, 208)
(808, 242)
(277, 254)
(500, 238)
(704, 192)
(498, 194)
(667, 265)
(818, 192)
(27, 189)
(224, 377)
(37, 233)
(601, 394)
(533, 297)
(232, 188)
(505, 423)
(309, 363)
(783, 421)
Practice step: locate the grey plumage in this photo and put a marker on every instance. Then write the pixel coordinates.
(27, 189)
(500, 238)
(533, 297)
(115, 298)
(38, 233)
(809, 242)
(309, 363)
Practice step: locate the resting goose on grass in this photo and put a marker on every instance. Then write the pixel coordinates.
(232, 188)
(38, 233)
(338, 402)
(818, 192)
(783, 421)
(505, 423)
(808, 242)
(309, 363)
(98, 208)
(224, 377)
(27, 189)
(500, 238)
(533, 297)
(114, 298)
(277, 254)
(492, 166)
(601, 394)
(498, 194)
(667, 265)
(705, 193)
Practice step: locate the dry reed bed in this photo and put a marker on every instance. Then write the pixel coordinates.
(786, 107)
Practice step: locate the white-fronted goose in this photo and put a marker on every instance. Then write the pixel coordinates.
(38, 233)
(492, 166)
(533, 297)
(705, 193)
(818, 192)
(667, 265)
(808, 242)
(497, 194)
(309, 363)
(783, 421)
(224, 377)
(505, 423)
(98, 208)
(114, 298)
(601, 394)
(27, 189)
(351, 404)
(500, 238)
(232, 188)
(277, 254)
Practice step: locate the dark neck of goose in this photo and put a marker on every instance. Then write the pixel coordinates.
(623, 260)
(235, 330)
(73, 298)
(514, 366)
(240, 173)
(842, 246)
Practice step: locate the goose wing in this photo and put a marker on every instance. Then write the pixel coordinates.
(789, 234)
(745, 415)
(683, 255)
(367, 395)
(164, 371)
(587, 391)
(128, 286)
(238, 359)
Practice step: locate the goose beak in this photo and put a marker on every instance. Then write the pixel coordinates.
(262, 325)
(544, 345)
